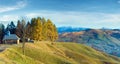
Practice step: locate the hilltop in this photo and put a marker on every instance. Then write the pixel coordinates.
(59, 53)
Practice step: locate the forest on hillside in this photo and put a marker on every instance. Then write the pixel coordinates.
(36, 29)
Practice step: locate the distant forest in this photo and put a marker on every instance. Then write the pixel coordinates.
(36, 29)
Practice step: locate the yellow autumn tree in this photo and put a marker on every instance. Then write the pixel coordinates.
(39, 29)
(36, 25)
(33, 27)
(43, 30)
(51, 31)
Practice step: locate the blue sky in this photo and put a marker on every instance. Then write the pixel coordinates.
(75, 13)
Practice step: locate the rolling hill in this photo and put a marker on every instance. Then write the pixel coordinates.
(103, 40)
(114, 33)
(59, 53)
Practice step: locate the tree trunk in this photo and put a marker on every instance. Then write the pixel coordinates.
(23, 47)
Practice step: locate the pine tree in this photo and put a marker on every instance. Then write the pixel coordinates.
(28, 30)
(33, 23)
(2, 27)
(43, 21)
(39, 29)
(19, 29)
(51, 31)
(36, 29)
(55, 33)
(11, 27)
(44, 29)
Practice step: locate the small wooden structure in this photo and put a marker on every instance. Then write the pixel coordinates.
(11, 39)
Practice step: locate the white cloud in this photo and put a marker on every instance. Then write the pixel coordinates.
(18, 5)
(5, 19)
(9, 18)
(75, 19)
(83, 19)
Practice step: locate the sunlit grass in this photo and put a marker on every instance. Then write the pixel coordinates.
(59, 53)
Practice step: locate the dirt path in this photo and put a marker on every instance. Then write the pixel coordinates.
(3, 47)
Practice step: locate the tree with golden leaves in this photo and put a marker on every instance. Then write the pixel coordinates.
(51, 31)
(36, 26)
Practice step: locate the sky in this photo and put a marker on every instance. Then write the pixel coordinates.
(74, 13)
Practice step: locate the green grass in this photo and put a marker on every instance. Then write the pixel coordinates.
(59, 53)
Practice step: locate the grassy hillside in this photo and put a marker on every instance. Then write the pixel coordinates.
(59, 53)
(106, 41)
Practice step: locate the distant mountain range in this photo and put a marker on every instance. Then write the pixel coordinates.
(70, 29)
(105, 40)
